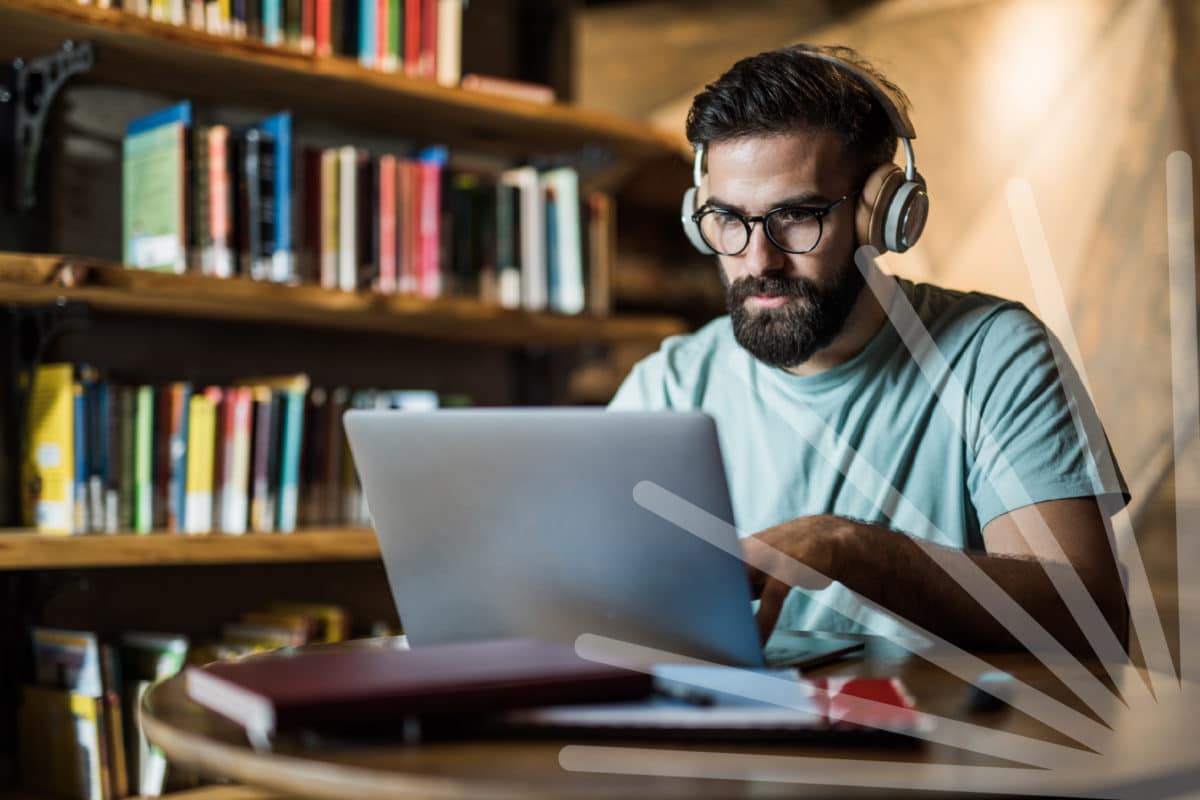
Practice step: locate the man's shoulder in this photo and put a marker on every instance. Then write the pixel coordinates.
(951, 314)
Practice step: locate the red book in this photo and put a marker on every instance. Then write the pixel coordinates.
(220, 204)
(412, 37)
(429, 230)
(406, 214)
(387, 225)
(308, 25)
(322, 24)
(427, 68)
(369, 684)
(382, 39)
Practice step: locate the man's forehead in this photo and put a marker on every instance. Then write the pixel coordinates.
(813, 162)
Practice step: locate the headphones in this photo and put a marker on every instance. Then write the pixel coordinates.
(893, 205)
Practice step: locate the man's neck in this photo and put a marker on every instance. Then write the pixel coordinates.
(864, 322)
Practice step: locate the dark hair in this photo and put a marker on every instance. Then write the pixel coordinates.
(783, 90)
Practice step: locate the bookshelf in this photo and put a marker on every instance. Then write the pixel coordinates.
(22, 550)
(136, 51)
(43, 279)
(152, 327)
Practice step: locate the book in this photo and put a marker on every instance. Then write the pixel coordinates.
(143, 461)
(49, 479)
(532, 221)
(602, 250)
(178, 400)
(347, 205)
(60, 734)
(235, 501)
(201, 457)
(292, 435)
(362, 686)
(431, 162)
(449, 42)
(153, 190)
(278, 130)
(565, 267)
(506, 87)
(80, 522)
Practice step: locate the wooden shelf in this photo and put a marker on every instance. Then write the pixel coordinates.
(180, 61)
(112, 288)
(33, 551)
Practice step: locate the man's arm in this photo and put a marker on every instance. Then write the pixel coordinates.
(902, 574)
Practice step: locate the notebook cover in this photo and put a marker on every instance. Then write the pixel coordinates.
(351, 686)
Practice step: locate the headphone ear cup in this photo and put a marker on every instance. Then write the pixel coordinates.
(871, 213)
(690, 228)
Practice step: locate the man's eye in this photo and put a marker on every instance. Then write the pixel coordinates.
(795, 216)
(725, 219)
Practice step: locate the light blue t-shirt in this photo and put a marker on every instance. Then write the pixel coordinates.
(870, 440)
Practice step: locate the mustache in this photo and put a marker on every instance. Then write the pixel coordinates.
(772, 286)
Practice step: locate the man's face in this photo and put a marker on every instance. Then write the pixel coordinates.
(786, 307)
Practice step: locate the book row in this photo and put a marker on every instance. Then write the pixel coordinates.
(265, 455)
(224, 202)
(420, 38)
(78, 718)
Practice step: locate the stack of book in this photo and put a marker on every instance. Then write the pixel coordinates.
(80, 736)
(263, 455)
(223, 202)
(421, 38)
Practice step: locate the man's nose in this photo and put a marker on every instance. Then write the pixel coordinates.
(760, 255)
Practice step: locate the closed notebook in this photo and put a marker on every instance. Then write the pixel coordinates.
(353, 686)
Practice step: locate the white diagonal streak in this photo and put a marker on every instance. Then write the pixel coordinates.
(756, 686)
(1185, 400)
(945, 655)
(952, 397)
(1052, 306)
(959, 566)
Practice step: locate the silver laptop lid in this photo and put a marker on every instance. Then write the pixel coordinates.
(522, 522)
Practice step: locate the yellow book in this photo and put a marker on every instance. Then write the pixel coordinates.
(60, 743)
(50, 465)
(201, 458)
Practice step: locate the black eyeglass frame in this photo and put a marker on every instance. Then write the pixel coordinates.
(818, 212)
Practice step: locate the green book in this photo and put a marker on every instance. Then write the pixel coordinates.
(154, 190)
(395, 46)
(143, 461)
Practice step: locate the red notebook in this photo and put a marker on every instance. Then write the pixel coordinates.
(364, 685)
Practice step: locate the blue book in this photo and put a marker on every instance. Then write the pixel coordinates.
(181, 394)
(80, 524)
(368, 21)
(289, 466)
(279, 129)
(180, 113)
(553, 258)
(272, 11)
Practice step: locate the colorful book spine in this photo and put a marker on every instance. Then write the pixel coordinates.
(279, 129)
(291, 439)
(431, 162)
(272, 22)
(219, 261)
(329, 252)
(179, 395)
(347, 219)
(201, 460)
(386, 209)
(412, 37)
(449, 42)
(566, 266)
(261, 510)
(234, 497)
(49, 478)
(153, 190)
(143, 468)
(368, 17)
(323, 30)
(79, 415)
(534, 289)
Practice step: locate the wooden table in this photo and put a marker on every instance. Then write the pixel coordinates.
(195, 737)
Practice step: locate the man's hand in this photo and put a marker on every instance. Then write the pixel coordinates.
(803, 552)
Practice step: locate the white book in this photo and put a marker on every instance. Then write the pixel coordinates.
(565, 265)
(347, 217)
(533, 236)
(449, 42)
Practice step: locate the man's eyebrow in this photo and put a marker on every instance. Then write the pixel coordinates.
(800, 199)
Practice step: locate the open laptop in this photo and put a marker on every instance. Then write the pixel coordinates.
(522, 522)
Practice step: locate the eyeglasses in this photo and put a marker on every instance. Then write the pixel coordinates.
(793, 229)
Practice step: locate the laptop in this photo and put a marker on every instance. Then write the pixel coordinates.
(523, 522)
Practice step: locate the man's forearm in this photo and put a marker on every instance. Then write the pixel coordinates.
(923, 583)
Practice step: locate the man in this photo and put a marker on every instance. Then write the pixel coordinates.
(842, 452)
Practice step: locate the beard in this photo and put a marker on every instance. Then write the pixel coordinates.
(789, 335)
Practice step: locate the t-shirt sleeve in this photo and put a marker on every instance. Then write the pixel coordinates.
(1036, 435)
